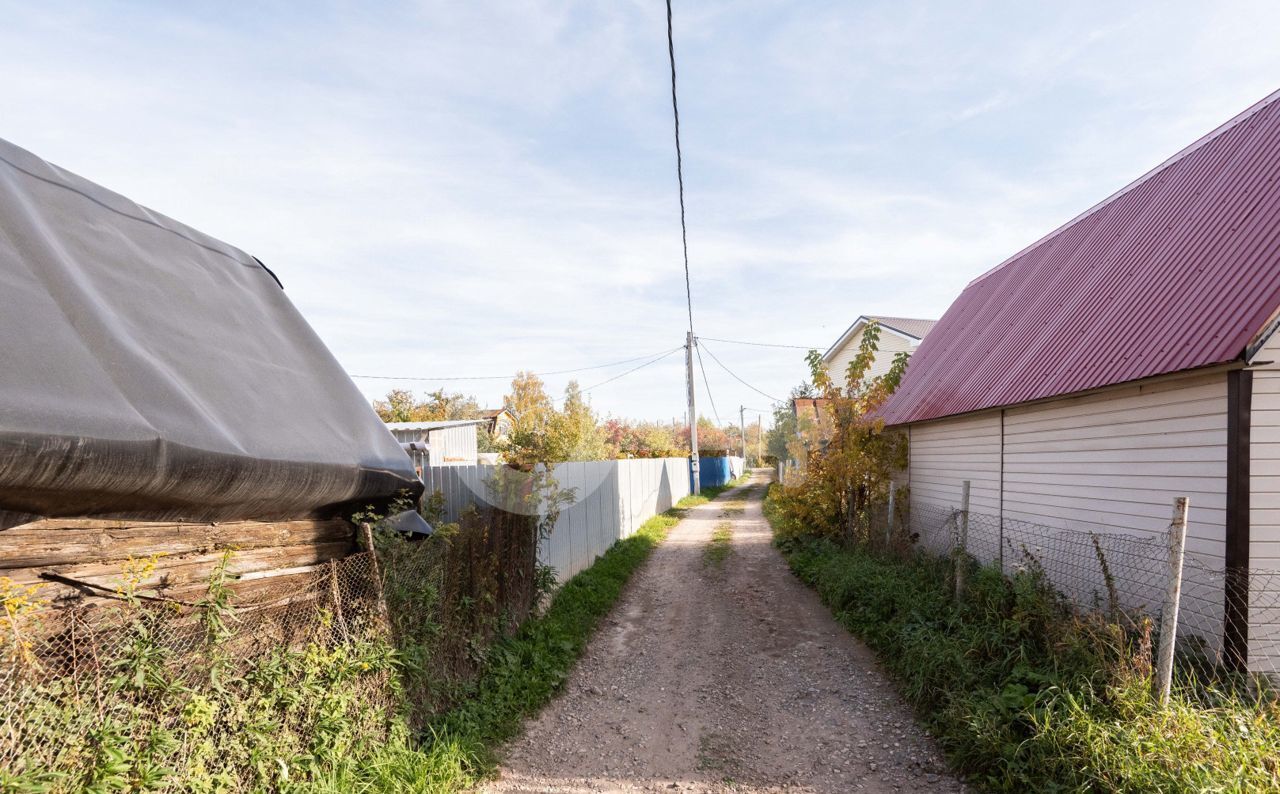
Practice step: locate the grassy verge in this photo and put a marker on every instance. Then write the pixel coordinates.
(522, 674)
(1026, 695)
(720, 546)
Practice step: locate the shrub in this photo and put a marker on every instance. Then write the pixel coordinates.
(1024, 693)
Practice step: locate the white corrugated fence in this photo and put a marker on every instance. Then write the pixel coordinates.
(612, 498)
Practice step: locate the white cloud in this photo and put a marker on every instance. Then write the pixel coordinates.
(467, 188)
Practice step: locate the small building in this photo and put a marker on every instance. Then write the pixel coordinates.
(161, 395)
(897, 335)
(443, 443)
(1127, 358)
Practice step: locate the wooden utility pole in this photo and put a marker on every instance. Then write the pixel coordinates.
(742, 428)
(693, 415)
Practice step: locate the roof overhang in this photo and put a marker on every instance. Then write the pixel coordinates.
(858, 324)
(1216, 369)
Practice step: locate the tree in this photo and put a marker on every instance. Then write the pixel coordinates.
(442, 406)
(627, 439)
(529, 402)
(545, 435)
(848, 466)
(402, 406)
(573, 433)
(398, 407)
(779, 436)
(713, 441)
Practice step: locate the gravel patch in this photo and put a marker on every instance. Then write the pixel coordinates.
(723, 678)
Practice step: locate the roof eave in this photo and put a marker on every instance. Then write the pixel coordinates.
(862, 321)
(1211, 369)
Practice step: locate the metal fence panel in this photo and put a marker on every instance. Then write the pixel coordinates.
(613, 498)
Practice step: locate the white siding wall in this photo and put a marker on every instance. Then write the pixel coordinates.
(1114, 461)
(1264, 504)
(943, 455)
(890, 345)
(947, 452)
(1110, 462)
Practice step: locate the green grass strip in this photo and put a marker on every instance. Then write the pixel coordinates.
(523, 673)
(1025, 696)
(721, 544)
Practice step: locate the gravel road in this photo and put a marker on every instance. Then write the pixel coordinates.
(720, 672)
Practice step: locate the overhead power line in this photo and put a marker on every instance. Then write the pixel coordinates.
(694, 468)
(675, 111)
(633, 369)
(707, 383)
(757, 344)
(738, 379)
(509, 377)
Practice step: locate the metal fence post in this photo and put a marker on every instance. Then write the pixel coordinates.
(962, 540)
(1173, 594)
(888, 525)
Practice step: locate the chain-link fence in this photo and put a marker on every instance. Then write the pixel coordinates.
(249, 692)
(1228, 622)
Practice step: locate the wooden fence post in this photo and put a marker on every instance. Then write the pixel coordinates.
(335, 592)
(962, 541)
(1172, 596)
(888, 525)
(367, 529)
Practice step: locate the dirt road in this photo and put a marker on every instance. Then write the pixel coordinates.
(719, 671)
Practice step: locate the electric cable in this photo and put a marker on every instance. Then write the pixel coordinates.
(738, 379)
(633, 369)
(509, 377)
(707, 384)
(675, 111)
(757, 344)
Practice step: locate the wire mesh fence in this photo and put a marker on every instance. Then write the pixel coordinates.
(231, 693)
(1228, 622)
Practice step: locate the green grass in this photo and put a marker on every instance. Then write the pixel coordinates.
(1025, 695)
(522, 674)
(718, 549)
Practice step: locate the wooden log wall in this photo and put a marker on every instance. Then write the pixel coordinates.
(96, 551)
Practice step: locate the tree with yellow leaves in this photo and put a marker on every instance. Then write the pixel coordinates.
(847, 458)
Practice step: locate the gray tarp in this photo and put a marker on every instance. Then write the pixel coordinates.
(149, 371)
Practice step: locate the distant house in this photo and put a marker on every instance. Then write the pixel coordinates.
(499, 422)
(1127, 358)
(897, 335)
(445, 443)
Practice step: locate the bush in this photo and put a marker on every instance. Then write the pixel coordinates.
(521, 673)
(1025, 694)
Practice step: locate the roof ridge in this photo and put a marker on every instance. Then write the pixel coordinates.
(1176, 157)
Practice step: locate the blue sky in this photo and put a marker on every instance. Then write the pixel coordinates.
(450, 189)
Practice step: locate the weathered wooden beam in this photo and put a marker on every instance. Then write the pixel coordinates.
(57, 542)
(172, 571)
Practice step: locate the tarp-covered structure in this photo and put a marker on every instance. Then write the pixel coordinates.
(148, 371)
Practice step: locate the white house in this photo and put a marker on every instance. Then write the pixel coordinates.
(897, 335)
(1127, 358)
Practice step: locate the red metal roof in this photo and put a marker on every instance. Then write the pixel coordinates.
(1179, 270)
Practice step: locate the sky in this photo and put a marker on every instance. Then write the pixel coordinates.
(466, 189)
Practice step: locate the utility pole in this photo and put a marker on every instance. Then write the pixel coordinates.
(694, 472)
(742, 428)
(759, 439)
